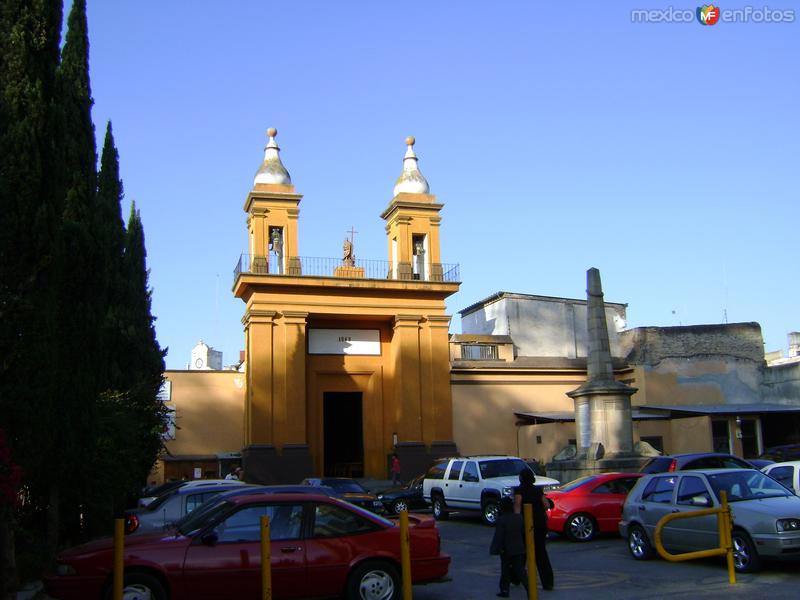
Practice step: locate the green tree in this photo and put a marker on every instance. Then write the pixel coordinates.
(111, 237)
(79, 305)
(145, 359)
(30, 205)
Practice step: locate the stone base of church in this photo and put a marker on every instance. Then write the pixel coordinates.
(567, 470)
(416, 458)
(264, 465)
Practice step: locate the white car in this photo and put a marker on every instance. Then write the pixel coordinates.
(145, 501)
(474, 483)
(787, 473)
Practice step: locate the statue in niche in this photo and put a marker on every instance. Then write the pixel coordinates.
(419, 258)
(349, 259)
(276, 245)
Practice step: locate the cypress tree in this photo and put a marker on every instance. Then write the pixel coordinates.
(111, 237)
(79, 306)
(30, 205)
(146, 375)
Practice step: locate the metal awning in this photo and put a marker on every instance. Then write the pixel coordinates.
(537, 418)
(677, 411)
(661, 412)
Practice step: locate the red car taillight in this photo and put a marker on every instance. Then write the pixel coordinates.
(672, 466)
(131, 523)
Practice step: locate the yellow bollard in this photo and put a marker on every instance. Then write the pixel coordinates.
(530, 551)
(119, 557)
(726, 526)
(405, 555)
(266, 561)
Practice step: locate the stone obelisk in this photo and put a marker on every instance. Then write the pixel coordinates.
(604, 428)
(602, 404)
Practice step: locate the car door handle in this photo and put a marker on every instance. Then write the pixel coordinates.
(290, 549)
(642, 507)
(675, 511)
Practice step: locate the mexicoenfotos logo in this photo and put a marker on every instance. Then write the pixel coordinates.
(708, 14)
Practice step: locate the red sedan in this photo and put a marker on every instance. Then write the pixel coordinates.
(321, 547)
(589, 505)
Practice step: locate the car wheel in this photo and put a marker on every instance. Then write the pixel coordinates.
(638, 543)
(399, 506)
(439, 509)
(491, 511)
(139, 586)
(374, 580)
(580, 527)
(745, 555)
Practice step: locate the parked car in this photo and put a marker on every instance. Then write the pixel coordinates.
(152, 492)
(786, 473)
(349, 490)
(696, 460)
(172, 506)
(320, 547)
(590, 505)
(759, 463)
(474, 483)
(783, 453)
(171, 486)
(404, 497)
(766, 516)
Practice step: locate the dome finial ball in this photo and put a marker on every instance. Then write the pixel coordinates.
(272, 132)
(410, 140)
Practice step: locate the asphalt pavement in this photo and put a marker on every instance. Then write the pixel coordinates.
(596, 570)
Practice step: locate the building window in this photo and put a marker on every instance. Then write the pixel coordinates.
(720, 433)
(478, 352)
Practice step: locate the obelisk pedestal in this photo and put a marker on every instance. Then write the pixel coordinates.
(603, 423)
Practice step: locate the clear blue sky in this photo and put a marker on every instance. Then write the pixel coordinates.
(666, 155)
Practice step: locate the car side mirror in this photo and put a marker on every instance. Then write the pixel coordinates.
(700, 501)
(210, 538)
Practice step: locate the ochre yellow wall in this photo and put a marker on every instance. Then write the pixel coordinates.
(209, 412)
(484, 405)
(406, 390)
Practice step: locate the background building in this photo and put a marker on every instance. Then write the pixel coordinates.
(347, 360)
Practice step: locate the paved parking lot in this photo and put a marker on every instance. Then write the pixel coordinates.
(599, 569)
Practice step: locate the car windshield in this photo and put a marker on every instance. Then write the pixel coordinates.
(746, 485)
(198, 519)
(576, 483)
(343, 487)
(160, 500)
(163, 488)
(505, 467)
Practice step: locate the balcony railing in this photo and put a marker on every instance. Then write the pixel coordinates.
(306, 266)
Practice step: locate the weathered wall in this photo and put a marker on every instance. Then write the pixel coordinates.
(703, 364)
(541, 325)
(782, 384)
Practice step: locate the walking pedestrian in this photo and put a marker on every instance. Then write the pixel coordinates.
(395, 469)
(528, 493)
(508, 542)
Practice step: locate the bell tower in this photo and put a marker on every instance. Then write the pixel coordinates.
(412, 225)
(272, 213)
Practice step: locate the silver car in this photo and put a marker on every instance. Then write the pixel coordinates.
(766, 516)
(172, 506)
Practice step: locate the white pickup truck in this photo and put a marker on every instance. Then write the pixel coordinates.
(474, 483)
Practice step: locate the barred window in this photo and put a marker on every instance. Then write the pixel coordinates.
(478, 352)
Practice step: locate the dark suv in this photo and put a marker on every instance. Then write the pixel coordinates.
(689, 462)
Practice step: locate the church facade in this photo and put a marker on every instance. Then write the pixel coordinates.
(347, 360)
